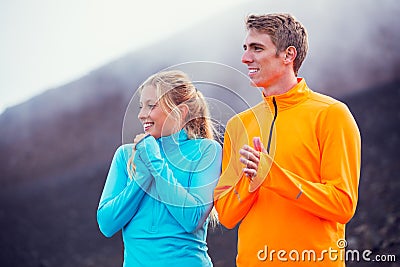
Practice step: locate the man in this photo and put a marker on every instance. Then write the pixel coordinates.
(291, 164)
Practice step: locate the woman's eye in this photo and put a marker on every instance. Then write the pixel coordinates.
(148, 106)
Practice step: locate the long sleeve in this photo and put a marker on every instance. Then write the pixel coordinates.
(189, 205)
(335, 197)
(121, 196)
(232, 198)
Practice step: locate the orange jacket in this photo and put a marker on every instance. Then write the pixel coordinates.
(306, 188)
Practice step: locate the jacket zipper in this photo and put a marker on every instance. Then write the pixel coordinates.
(272, 124)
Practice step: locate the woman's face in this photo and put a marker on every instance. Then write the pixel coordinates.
(155, 120)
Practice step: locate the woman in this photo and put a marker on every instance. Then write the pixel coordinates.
(159, 190)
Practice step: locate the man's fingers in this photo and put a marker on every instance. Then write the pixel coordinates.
(248, 163)
(250, 158)
(249, 154)
(250, 173)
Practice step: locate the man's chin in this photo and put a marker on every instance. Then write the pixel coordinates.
(253, 83)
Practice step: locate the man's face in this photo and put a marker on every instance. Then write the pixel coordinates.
(265, 68)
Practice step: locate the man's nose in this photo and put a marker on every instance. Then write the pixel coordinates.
(246, 57)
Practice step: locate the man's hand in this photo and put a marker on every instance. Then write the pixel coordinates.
(250, 157)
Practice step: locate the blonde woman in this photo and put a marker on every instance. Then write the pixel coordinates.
(159, 190)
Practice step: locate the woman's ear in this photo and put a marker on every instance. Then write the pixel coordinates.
(184, 109)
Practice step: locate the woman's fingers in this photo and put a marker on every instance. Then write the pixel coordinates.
(137, 139)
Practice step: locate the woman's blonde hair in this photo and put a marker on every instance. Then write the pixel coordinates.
(174, 88)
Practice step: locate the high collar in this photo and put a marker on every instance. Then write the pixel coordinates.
(174, 138)
(294, 96)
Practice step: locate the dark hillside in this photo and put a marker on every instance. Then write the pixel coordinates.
(376, 225)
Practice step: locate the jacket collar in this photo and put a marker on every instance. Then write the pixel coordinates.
(296, 95)
(174, 138)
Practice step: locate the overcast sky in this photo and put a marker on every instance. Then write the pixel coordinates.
(47, 43)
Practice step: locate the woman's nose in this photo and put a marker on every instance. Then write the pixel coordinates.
(142, 114)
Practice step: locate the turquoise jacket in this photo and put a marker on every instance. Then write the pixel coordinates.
(163, 211)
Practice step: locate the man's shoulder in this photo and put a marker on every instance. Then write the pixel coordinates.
(322, 99)
(321, 102)
(328, 104)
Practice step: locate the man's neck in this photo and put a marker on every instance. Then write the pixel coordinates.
(280, 88)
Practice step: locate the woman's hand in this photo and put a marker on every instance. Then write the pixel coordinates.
(137, 139)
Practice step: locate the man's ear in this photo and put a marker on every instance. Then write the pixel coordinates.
(290, 54)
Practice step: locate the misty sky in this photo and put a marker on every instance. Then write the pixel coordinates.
(47, 43)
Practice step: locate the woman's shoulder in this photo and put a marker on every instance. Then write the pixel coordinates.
(124, 151)
(124, 148)
(206, 143)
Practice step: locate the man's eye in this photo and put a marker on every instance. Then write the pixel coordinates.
(257, 48)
